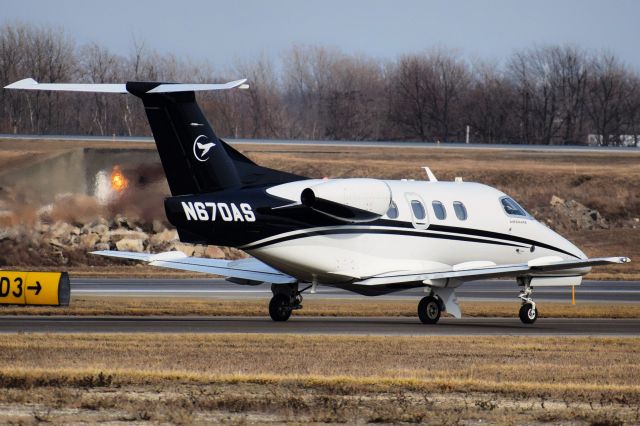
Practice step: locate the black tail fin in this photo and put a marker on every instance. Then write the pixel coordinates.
(194, 159)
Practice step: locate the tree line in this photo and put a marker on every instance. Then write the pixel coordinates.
(543, 95)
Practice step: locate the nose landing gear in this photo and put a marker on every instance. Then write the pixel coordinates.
(528, 311)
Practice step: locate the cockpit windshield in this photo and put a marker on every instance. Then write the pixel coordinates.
(512, 208)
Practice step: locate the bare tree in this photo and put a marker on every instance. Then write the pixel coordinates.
(264, 106)
(45, 54)
(12, 50)
(551, 86)
(489, 104)
(408, 97)
(353, 106)
(425, 92)
(572, 77)
(631, 108)
(605, 98)
(306, 80)
(49, 57)
(98, 65)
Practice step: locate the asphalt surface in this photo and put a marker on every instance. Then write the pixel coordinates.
(592, 291)
(495, 290)
(366, 144)
(325, 325)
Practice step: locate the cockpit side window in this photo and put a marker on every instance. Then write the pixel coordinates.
(512, 208)
(392, 213)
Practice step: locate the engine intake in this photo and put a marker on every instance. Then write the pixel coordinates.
(350, 200)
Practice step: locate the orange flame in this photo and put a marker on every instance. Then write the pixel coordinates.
(118, 182)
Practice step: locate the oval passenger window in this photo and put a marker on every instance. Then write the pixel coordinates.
(418, 209)
(460, 209)
(439, 210)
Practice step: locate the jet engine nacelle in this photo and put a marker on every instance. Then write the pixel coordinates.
(350, 200)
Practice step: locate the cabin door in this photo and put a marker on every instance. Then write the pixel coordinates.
(418, 210)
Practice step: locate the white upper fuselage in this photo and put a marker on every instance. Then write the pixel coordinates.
(407, 242)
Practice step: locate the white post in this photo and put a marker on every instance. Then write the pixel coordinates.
(467, 138)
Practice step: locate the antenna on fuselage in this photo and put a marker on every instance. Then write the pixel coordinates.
(430, 175)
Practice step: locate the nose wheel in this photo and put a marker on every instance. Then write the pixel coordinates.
(528, 310)
(528, 313)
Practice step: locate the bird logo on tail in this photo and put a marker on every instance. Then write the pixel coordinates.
(201, 148)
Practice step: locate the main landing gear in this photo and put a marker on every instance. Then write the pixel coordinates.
(429, 309)
(286, 299)
(528, 310)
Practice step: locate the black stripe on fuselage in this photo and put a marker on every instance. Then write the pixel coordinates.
(498, 235)
(454, 233)
(410, 233)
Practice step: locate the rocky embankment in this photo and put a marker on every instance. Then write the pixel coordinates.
(62, 243)
(573, 216)
(68, 244)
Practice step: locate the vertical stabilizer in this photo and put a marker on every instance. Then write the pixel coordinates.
(194, 159)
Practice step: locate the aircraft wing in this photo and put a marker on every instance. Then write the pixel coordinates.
(243, 271)
(545, 264)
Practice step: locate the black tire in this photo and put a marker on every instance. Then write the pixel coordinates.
(528, 314)
(280, 307)
(429, 310)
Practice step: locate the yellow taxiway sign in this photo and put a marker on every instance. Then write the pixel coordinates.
(34, 288)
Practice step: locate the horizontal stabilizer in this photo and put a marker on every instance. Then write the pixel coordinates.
(251, 270)
(31, 84)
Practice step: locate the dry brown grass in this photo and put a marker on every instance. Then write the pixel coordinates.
(247, 378)
(161, 306)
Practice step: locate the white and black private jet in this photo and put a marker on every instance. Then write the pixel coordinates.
(368, 236)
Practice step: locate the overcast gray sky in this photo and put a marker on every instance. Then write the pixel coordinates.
(222, 32)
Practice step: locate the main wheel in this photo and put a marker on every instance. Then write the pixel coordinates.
(528, 313)
(429, 310)
(280, 307)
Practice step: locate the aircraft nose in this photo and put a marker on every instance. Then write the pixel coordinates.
(570, 247)
(566, 247)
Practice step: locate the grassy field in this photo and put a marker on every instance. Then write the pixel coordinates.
(138, 306)
(327, 379)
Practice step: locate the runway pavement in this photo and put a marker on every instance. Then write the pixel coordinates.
(496, 290)
(344, 144)
(592, 291)
(324, 325)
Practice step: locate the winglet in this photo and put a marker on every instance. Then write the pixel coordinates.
(26, 83)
